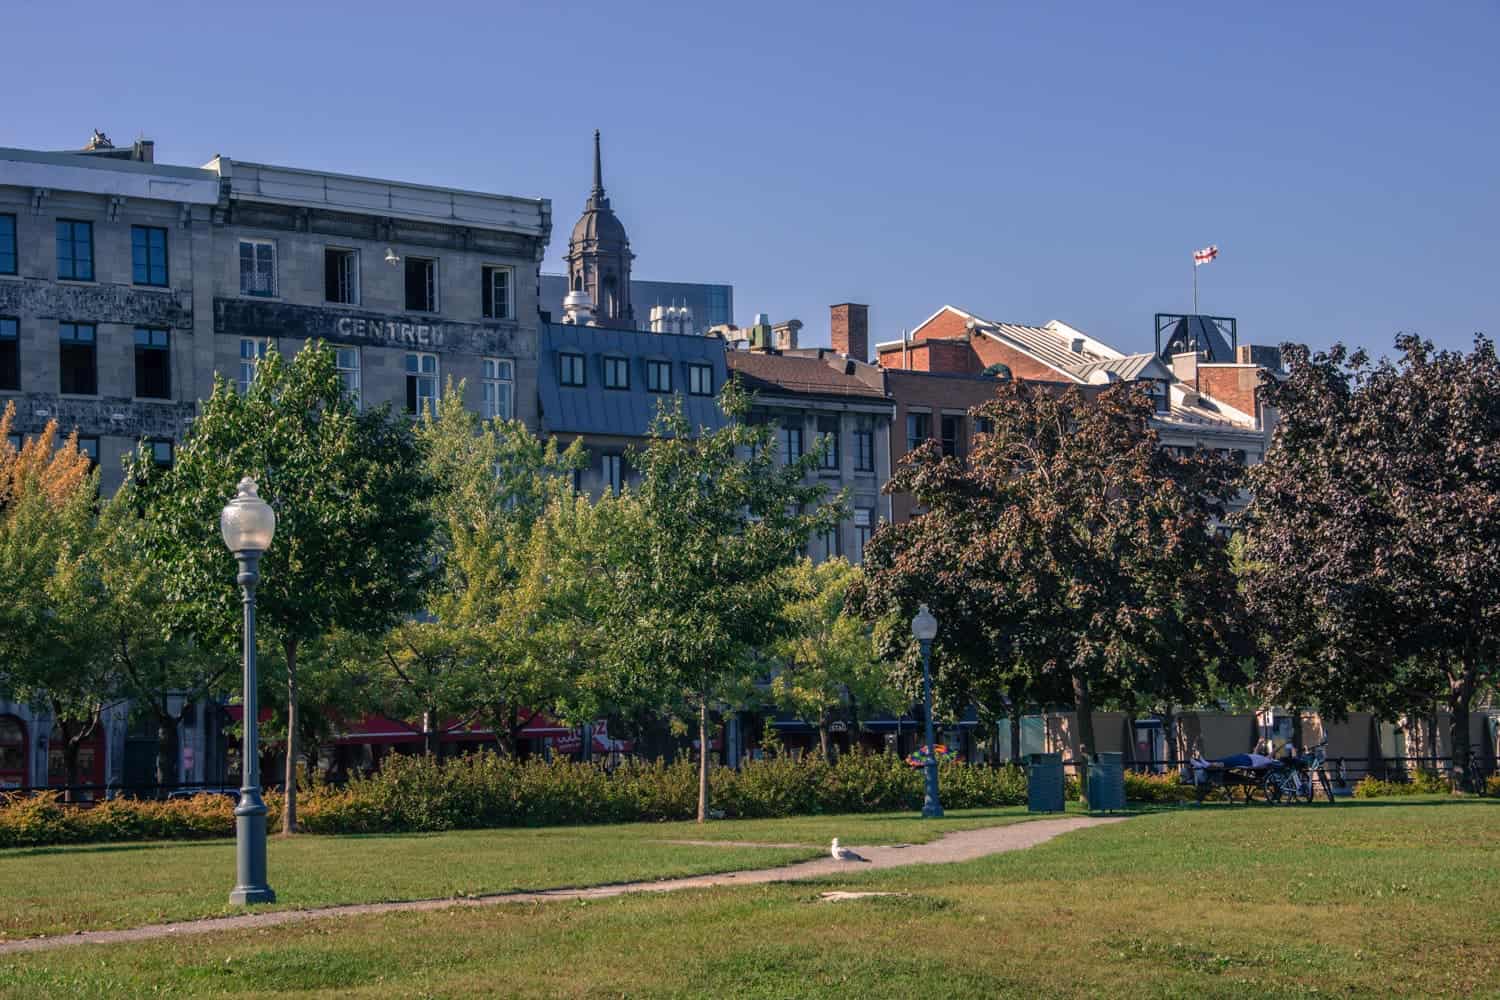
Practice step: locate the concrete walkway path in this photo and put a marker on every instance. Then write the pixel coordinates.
(961, 845)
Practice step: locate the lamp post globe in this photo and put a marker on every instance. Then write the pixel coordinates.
(924, 628)
(248, 524)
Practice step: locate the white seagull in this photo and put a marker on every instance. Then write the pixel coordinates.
(844, 854)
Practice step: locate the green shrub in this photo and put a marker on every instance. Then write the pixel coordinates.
(1420, 783)
(426, 794)
(1158, 788)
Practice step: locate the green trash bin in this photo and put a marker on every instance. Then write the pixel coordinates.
(1107, 783)
(1044, 783)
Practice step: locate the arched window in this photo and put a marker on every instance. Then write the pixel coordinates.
(578, 282)
(12, 752)
(609, 302)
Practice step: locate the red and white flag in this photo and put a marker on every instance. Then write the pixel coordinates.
(1205, 255)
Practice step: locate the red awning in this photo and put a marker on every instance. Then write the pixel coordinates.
(237, 713)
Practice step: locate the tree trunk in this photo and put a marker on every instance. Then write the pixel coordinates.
(1169, 737)
(1085, 710)
(429, 735)
(703, 751)
(1297, 729)
(823, 735)
(71, 749)
(289, 794)
(1015, 732)
(166, 751)
(1460, 695)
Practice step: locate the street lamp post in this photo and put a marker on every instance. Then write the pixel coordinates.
(247, 524)
(924, 627)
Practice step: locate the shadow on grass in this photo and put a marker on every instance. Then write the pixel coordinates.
(108, 848)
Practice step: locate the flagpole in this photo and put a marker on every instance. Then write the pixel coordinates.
(1195, 286)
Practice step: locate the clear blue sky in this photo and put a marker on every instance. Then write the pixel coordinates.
(1023, 163)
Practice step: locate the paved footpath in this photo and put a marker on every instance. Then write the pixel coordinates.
(961, 845)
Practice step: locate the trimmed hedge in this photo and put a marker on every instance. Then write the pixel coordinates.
(423, 794)
(1420, 783)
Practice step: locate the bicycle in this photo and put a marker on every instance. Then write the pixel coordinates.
(1297, 777)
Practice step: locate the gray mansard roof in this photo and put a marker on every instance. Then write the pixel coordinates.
(593, 409)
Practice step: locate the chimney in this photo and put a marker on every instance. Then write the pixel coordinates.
(144, 151)
(849, 324)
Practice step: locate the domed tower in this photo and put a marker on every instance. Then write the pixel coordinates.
(599, 256)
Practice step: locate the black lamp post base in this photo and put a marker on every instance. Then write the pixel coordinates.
(245, 895)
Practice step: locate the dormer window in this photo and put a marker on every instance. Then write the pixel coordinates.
(1161, 395)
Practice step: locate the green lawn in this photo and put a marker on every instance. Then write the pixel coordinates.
(1372, 898)
(59, 890)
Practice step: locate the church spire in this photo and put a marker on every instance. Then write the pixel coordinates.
(598, 192)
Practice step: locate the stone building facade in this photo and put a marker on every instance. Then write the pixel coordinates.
(126, 285)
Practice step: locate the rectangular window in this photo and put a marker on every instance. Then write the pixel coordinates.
(864, 527)
(7, 244)
(148, 255)
(864, 445)
(10, 354)
(984, 425)
(496, 294)
(78, 357)
(700, 380)
(14, 440)
(658, 376)
(75, 250)
(570, 369)
(90, 447)
(258, 268)
(341, 275)
(918, 429)
(153, 364)
(616, 373)
(421, 285)
(346, 360)
(161, 453)
(499, 386)
(791, 445)
(614, 472)
(252, 349)
(1161, 396)
(421, 383)
(828, 432)
(953, 430)
(831, 543)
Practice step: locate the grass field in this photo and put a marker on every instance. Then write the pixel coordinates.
(1369, 898)
(64, 889)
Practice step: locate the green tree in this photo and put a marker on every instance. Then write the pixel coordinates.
(352, 503)
(52, 652)
(827, 661)
(696, 557)
(1068, 556)
(472, 653)
(1374, 530)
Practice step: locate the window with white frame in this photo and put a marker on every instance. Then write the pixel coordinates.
(421, 285)
(614, 472)
(499, 385)
(258, 267)
(340, 275)
(497, 292)
(252, 350)
(421, 382)
(346, 360)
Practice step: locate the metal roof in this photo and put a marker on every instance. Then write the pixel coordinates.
(593, 409)
(1040, 342)
(1128, 368)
